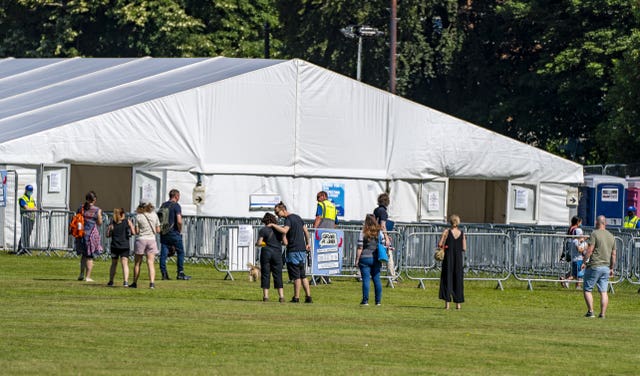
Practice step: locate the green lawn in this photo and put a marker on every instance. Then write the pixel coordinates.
(54, 324)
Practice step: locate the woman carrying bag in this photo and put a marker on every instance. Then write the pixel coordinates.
(367, 259)
(454, 243)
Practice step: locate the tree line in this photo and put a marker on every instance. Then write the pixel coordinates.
(561, 75)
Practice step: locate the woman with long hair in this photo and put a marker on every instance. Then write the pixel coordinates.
(89, 246)
(367, 258)
(120, 230)
(454, 243)
(147, 226)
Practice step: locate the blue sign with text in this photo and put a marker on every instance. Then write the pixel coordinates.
(336, 195)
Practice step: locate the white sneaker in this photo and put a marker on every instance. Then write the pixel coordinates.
(88, 280)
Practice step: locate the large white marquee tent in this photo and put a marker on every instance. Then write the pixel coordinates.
(252, 126)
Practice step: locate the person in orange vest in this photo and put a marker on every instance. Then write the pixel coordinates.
(631, 220)
(27, 218)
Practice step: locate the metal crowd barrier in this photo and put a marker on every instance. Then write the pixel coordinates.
(537, 259)
(37, 240)
(59, 239)
(487, 257)
(495, 252)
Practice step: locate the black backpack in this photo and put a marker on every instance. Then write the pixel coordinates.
(163, 215)
(568, 243)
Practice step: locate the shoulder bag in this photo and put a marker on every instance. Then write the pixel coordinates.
(382, 249)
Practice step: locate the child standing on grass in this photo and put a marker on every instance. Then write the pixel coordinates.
(120, 230)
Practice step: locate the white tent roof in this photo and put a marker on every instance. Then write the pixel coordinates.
(244, 116)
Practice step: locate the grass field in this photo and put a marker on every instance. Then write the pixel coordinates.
(53, 324)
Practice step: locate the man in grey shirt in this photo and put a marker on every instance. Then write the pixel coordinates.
(599, 261)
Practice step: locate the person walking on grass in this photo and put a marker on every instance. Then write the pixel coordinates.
(147, 226)
(367, 260)
(89, 246)
(120, 230)
(173, 237)
(298, 247)
(599, 261)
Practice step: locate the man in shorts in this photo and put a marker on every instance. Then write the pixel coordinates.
(599, 261)
(298, 248)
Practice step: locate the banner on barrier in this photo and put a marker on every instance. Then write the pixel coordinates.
(328, 252)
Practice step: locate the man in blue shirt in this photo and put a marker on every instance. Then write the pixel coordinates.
(173, 237)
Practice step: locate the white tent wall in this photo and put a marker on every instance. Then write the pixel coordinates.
(425, 143)
(247, 124)
(342, 126)
(228, 195)
(553, 209)
(404, 200)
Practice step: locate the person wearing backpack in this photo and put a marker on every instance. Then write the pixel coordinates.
(170, 215)
(89, 245)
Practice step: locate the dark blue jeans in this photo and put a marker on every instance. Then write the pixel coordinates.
(171, 239)
(370, 268)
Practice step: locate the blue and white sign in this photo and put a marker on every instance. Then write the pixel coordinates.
(263, 201)
(336, 195)
(3, 188)
(328, 251)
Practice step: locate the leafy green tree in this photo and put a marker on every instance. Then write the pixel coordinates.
(311, 31)
(159, 28)
(547, 67)
(619, 134)
(236, 28)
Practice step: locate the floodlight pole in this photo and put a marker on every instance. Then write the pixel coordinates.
(359, 31)
(359, 66)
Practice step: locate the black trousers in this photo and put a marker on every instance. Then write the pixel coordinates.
(271, 263)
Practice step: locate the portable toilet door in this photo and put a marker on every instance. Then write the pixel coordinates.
(603, 195)
(633, 192)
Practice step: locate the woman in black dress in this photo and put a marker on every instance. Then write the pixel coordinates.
(454, 243)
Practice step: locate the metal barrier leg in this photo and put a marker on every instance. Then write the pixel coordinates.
(24, 251)
(611, 289)
(529, 285)
(390, 282)
(499, 286)
(421, 284)
(228, 276)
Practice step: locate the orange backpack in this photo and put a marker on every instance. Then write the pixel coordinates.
(76, 227)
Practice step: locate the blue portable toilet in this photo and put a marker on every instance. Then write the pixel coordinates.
(602, 195)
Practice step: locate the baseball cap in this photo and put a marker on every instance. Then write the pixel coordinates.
(28, 187)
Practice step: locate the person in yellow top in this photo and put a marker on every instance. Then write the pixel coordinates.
(326, 217)
(326, 212)
(631, 220)
(27, 218)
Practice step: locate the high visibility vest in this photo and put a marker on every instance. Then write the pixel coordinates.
(329, 210)
(630, 222)
(31, 204)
